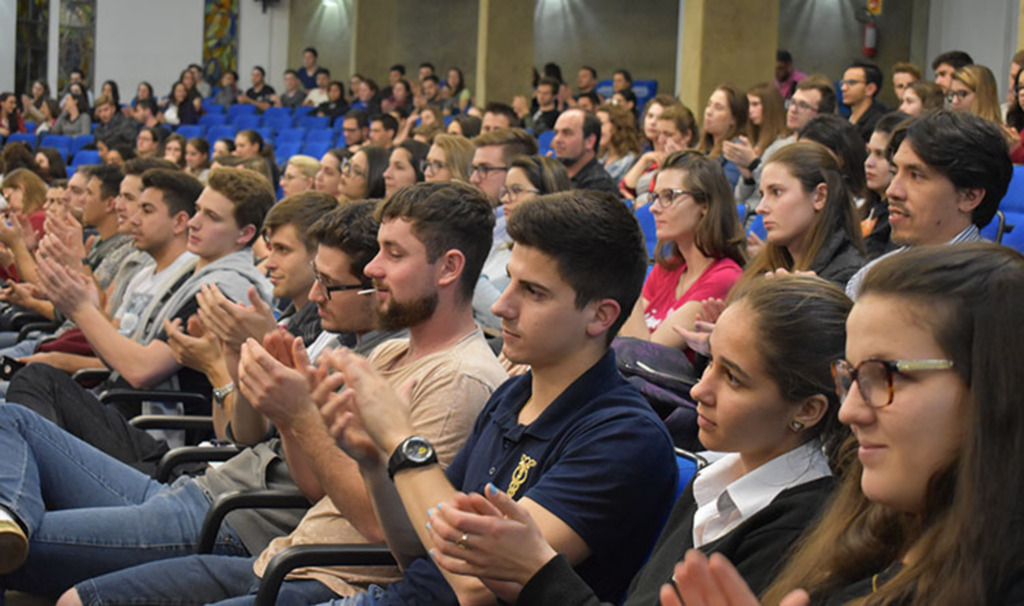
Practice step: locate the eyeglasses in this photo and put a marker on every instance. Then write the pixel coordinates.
(485, 170)
(874, 377)
(515, 191)
(959, 94)
(329, 289)
(667, 197)
(800, 105)
(432, 167)
(851, 82)
(348, 169)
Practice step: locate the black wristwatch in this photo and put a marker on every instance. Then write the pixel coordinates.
(414, 451)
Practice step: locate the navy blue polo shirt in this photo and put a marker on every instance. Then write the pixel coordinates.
(598, 458)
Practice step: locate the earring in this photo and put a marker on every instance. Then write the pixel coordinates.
(796, 426)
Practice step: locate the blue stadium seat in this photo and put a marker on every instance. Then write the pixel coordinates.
(283, 151)
(240, 109)
(314, 122)
(210, 120)
(544, 142)
(278, 112)
(1015, 237)
(646, 220)
(190, 130)
(30, 127)
(80, 142)
(86, 156)
(289, 135)
(1013, 201)
(224, 131)
(28, 138)
(316, 148)
(757, 227)
(278, 123)
(212, 107)
(246, 122)
(267, 133)
(322, 135)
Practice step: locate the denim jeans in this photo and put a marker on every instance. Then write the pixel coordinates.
(87, 513)
(195, 579)
(373, 596)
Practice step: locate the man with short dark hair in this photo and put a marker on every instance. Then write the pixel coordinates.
(577, 445)
(786, 76)
(202, 86)
(318, 95)
(577, 139)
(432, 92)
(293, 94)
(148, 115)
(586, 80)
(228, 93)
(356, 129)
(383, 128)
(948, 62)
(498, 116)
(861, 83)
(260, 94)
(951, 171)
(307, 74)
(588, 102)
(547, 107)
(425, 69)
(814, 95)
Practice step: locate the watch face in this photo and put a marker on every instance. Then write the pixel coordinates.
(416, 449)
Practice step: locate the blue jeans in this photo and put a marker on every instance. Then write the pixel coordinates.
(195, 579)
(373, 596)
(87, 513)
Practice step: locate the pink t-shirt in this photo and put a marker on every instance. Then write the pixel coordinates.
(660, 288)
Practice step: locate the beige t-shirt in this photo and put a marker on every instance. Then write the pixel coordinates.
(451, 389)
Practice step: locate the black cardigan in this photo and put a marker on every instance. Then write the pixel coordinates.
(757, 548)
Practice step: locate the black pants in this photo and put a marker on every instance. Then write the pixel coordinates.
(53, 394)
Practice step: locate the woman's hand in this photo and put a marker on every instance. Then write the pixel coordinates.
(698, 581)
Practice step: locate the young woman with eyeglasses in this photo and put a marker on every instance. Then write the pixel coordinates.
(449, 158)
(700, 249)
(766, 398)
(928, 509)
(362, 175)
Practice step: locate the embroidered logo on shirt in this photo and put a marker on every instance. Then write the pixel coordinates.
(526, 463)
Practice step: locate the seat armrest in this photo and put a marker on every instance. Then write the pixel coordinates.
(230, 501)
(300, 556)
(177, 457)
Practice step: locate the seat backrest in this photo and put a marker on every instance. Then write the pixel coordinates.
(209, 120)
(1013, 201)
(646, 221)
(216, 133)
(80, 142)
(757, 227)
(190, 130)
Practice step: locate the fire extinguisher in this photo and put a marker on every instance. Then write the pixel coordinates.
(870, 40)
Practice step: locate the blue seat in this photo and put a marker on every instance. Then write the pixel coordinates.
(28, 138)
(314, 122)
(689, 464)
(1014, 238)
(757, 227)
(267, 133)
(211, 120)
(30, 127)
(86, 156)
(316, 148)
(1013, 201)
(646, 221)
(644, 90)
(61, 142)
(284, 151)
(544, 142)
(277, 112)
(80, 142)
(240, 109)
(212, 107)
(246, 122)
(278, 123)
(289, 135)
(320, 136)
(224, 131)
(190, 131)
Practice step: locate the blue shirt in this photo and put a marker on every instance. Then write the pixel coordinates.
(598, 458)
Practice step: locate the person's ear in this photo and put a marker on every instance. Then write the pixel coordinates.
(245, 235)
(820, 196)
(450, 267)
(181, 223)
(809, 413)
(969, 199)
(601, 315)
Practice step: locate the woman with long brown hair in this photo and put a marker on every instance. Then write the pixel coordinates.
(768, 133)
(726, 118)
(620, 144)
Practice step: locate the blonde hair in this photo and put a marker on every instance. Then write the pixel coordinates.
(982, 83)
(458, 154)
(307, 165)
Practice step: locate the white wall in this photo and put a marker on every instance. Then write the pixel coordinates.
(8, 22)
(263, 41)
(985, 30)
(150, 40)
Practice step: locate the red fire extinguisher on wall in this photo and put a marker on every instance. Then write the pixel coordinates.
(870, 40)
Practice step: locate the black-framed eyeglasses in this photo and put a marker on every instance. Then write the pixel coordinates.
(485, 170)
(431, 166)
(667, 197)
(348, 169)
(804, 107)
(958, 94)
(874, 377)
(515, 191)
(328, 289)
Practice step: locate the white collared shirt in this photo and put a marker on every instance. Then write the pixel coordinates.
(725, 497)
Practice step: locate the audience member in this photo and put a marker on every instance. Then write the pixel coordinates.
(466, 126)
(622, 81)
(362, 175)
(455, 89)
(328, 178)
(405, 166)
(181, 106)
(945, 64)
(197, 158)
(114, 128)
(620, 145)
(32, 105)
(861, 83)
(228, 93)
(699, 254)
(921, 97)
(725, 119)
(319, 94)
(260, 94)
(787, 77)
(973, 90)
(878, 174)
(449, 158)
(356, 128)
(498, 116)
(174, 149)
(307, 74)
(903, 75)
(577, 139)
(842, 139)
(675, 130)
(547, 107)
(51, 165)
(10, 118)
(335, 106)
(299, 175)
(768, 134)
(814, 96)
(383, 128)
